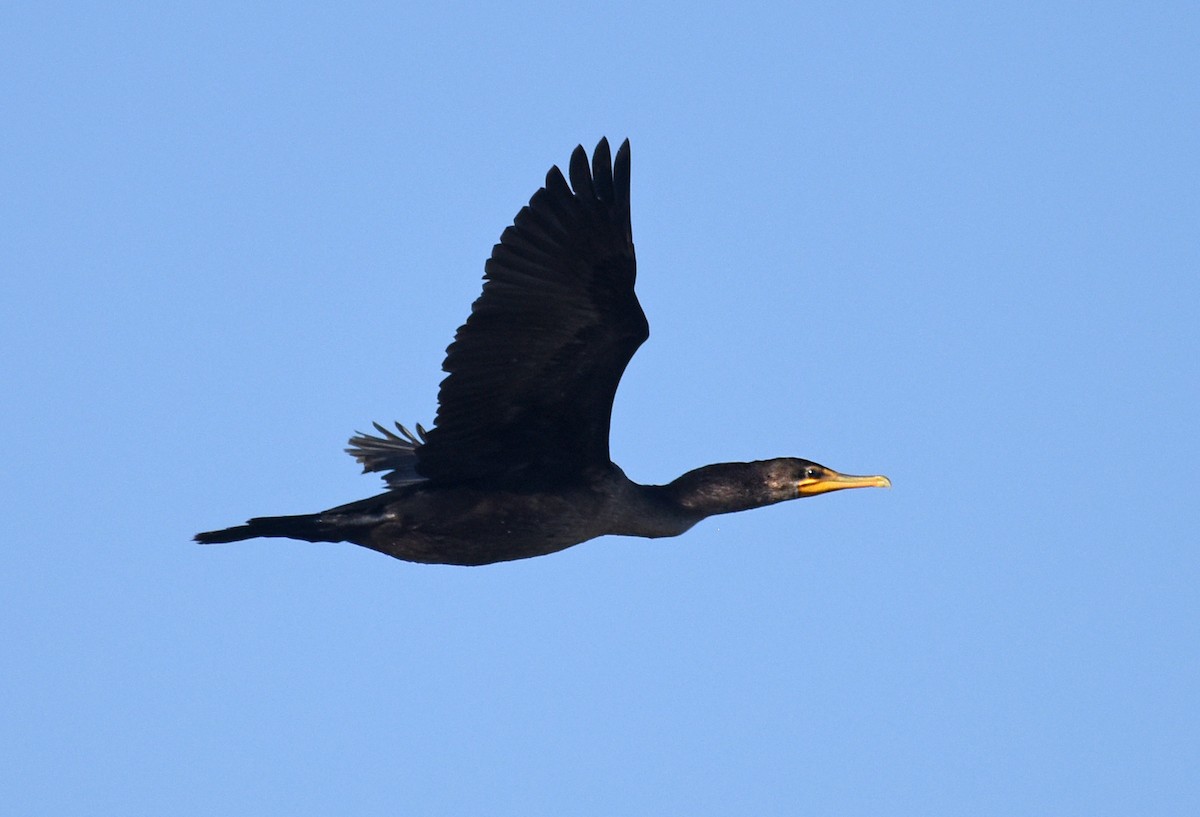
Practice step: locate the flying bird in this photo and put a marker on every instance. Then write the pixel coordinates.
(517, 461)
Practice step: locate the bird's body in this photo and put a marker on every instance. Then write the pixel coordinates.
(517, 463)
(475, 525)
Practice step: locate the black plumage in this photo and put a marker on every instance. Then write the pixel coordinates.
(517, 462)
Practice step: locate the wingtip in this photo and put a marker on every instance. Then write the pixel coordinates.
(621, 173)
(581, 173)
(602, 171)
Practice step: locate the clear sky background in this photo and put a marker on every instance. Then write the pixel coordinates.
(953, 243)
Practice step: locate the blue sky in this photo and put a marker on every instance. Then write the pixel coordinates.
(952, 243)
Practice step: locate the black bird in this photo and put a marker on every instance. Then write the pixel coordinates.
(516, 464)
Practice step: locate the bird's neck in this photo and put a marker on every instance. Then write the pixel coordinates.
(725, 487)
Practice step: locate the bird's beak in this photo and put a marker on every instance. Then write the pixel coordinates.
(833, 481)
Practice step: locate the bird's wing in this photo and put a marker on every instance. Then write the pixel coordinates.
(392, 452)
(533, 371)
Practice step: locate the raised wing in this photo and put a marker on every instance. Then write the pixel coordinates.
(533, 371)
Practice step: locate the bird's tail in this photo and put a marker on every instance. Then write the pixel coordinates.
(345, 523)
(309, 527)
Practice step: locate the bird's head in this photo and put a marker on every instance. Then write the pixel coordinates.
(728, 487)
(793, 478)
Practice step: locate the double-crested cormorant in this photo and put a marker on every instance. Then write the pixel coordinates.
(516, 464)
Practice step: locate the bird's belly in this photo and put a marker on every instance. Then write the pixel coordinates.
(477, 530)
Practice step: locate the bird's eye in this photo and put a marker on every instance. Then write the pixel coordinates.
(811, 472)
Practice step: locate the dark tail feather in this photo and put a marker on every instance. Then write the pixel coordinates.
(308, 527)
